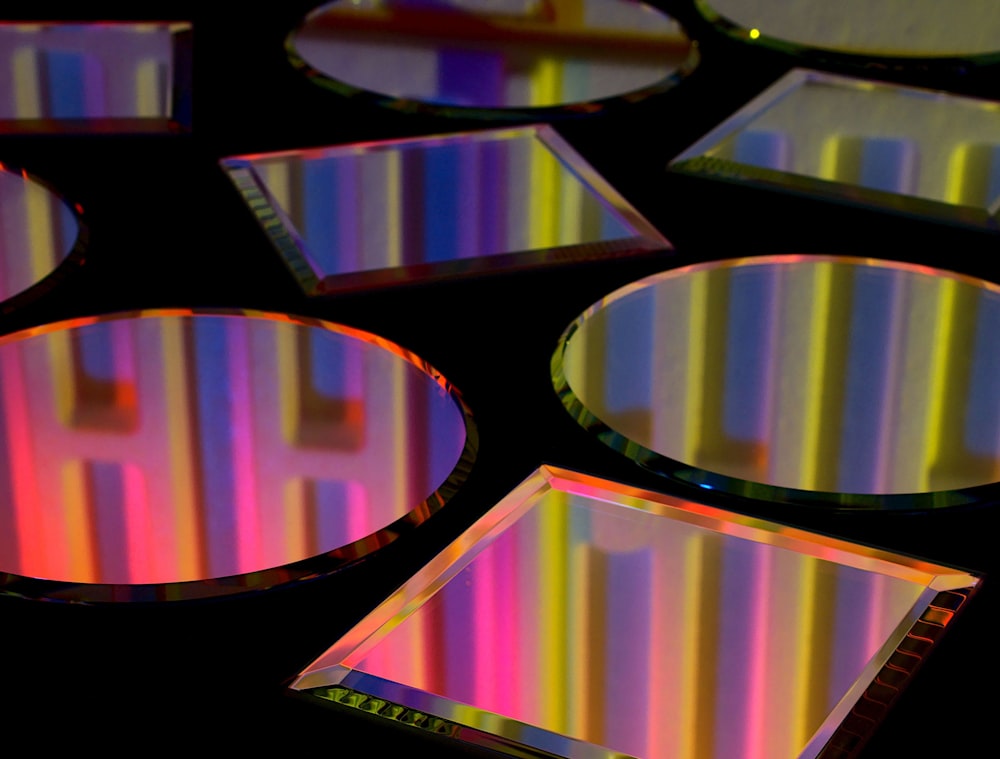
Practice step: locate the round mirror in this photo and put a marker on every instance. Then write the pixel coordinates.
(163, 455)
(864, 383)
(512, 54)
(38, 231)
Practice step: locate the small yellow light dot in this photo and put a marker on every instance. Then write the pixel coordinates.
(754, 33)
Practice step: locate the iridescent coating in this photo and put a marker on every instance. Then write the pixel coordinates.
(38, 231)
(852, 134)
(514, 54)
(92, 73)
(785, 376)
(408, 209)
(175, 454)
(588, 619)
(887, 27)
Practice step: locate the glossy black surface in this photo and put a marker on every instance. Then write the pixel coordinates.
(167, 229)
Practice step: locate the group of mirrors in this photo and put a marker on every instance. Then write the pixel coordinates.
(170, 455)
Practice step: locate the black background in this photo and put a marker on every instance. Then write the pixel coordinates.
(168, 229)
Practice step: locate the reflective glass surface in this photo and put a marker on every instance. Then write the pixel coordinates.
(851, 134)
(583, 618)
(412, 208)
(855, 378)
(142, 452)
(92, 72)
(887, 27)
(38, 230)
(491, 55)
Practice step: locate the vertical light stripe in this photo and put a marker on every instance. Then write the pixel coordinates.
(149, 100)
(141, 549)
(402, 435)
(691, 650)
(41, 242)
(277, 178)
(544, 204)
(293, 538)
(805, 634)
(553, 534)
(694, 385)
(393, 206)
(29, 523)
(958, 179)
(757, 626)
(815, 379)
(183, 448)
(571, 200)
(943, 348)
(27, 84)
(74, 556)
(241, 376)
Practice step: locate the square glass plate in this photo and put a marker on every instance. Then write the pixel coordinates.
(902, 148)
(584, 618)
(95, 77)
(383, 212)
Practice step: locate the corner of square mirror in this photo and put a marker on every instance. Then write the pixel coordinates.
(904, 149)
(87, 77)
(378, 213)
(584, 618)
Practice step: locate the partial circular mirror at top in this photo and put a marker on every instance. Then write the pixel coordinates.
(897, 28)
(838, 381)
(38, 231)
(176, 454)
(474, 55)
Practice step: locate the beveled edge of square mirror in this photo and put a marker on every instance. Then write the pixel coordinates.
(844, 731)
(294, 251)
(694, 160)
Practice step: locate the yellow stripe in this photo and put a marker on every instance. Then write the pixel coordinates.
(812, 417)
(806, 604)
(148, 98)
(943, 344)
(392, 207)
(543, 205)
(80, 556)
(27, 88)
(553, 546)
(41, 242)
(182, 444)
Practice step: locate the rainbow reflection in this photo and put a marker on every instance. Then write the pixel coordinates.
(396, 210)
(862, 140)
(38, 231)
(587, 619)
(828, 375)
(172, 454)
(90, 73)
(496, 55)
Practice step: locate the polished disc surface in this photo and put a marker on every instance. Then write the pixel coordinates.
(511, 54)
(174, 447)
(829, 375)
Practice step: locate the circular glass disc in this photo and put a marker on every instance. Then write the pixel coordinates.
(38, 231)
(786, 376)
(491, 55)
(161, 455)
(890, 27)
